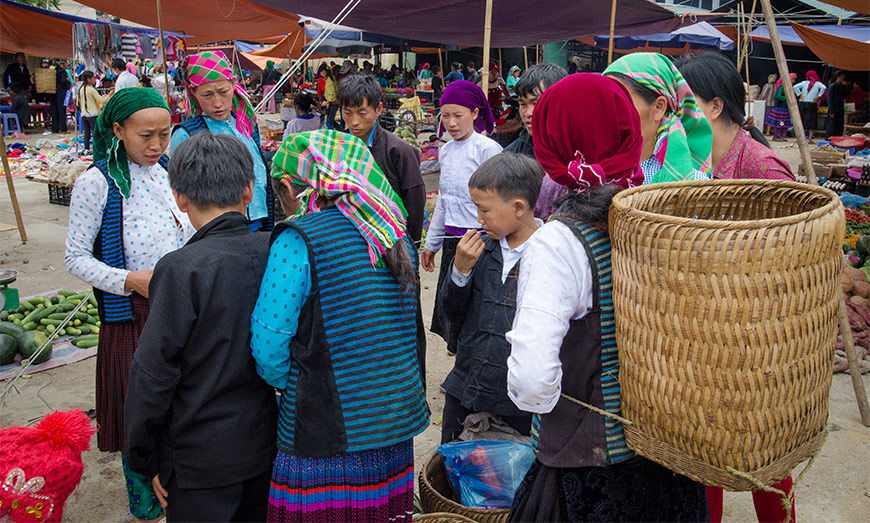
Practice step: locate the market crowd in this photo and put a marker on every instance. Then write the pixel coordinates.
(211, 304)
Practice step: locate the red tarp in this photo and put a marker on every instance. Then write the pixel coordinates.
(514, 22)
(842, 53)
(208, 21)
(859, 6)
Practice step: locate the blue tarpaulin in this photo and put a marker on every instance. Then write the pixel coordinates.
(699, 36)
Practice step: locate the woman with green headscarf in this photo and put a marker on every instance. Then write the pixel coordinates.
(677, 139)
(335, 330)
(122, 220)
(268, 80)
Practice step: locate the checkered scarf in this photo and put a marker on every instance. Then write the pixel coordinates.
(339, 166)
(211, 66)
(689, 138)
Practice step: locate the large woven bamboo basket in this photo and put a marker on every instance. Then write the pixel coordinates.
(436, 495)
(726, 296)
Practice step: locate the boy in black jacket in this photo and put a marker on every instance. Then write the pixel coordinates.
(198, 418)
(481, 292)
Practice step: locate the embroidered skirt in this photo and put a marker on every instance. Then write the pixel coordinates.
(440, 324)
(368, 486)
(114, 357)
(778, 117)
(634, 490)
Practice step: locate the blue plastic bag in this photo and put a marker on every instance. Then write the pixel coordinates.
(486, 473)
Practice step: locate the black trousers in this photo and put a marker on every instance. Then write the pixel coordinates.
(89, 123)
(834, 124)
(57, 111)
(245, 501)
(453, 418)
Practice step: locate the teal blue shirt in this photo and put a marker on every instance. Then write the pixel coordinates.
(285, 287)
(257, 208)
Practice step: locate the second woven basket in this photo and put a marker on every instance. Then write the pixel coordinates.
(726, 296)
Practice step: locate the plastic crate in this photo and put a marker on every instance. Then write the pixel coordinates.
(59, 194)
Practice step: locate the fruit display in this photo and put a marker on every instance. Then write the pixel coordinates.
(25, 329)
(857, 292)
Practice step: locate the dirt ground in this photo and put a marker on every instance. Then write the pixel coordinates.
(837, 487)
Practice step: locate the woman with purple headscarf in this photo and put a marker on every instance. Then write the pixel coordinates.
(465, 114)
(809, 92)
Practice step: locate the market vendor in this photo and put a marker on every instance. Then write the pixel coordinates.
(221, 106)
(123, 219)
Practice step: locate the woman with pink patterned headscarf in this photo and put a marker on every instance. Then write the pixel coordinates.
(809, 92)
(220, 105)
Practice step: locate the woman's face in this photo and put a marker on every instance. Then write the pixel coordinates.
(216, 99)
(458, 120)
(145, 135)
(651, 116)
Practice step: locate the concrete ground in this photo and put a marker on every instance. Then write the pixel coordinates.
(837, 487)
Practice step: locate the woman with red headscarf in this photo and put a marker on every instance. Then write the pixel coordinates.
(809, 92)
(563, 342)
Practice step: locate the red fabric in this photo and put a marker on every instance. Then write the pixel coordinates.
(587, 133)
(749, 159)
(768, 505)
(813, 77)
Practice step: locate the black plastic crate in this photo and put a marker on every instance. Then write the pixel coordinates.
(59, 194)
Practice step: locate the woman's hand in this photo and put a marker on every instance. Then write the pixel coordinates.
(138, 282)
(427, 260)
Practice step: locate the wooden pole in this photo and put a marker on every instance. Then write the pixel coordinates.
(739, 28)
(526, 57)
(15, 207)
(440, 63)
(747, 41)
(845, 329)
(487, 33)
(500, 63)
(163, 46)
(612, 28)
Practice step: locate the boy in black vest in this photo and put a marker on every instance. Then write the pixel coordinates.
(480, 294)
(198, 418)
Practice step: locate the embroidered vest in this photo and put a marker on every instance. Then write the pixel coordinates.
(109, 247)
(355, 381)
(571, 435)
(197, 123)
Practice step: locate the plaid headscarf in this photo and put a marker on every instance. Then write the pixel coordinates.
(689, 137)
(107, 146)
(338, 165)
(212, 66)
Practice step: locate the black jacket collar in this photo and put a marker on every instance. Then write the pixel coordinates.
(228, 223)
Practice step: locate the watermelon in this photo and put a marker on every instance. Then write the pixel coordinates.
(29, 343)
(8, 349)
(7, 327)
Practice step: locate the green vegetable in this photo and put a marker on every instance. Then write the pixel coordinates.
(93, 300)
(863, 245)
(29, 343)
(4, 315)
(26, 305)
(87, 344)
(48, 321)
(93, 328)
(36, 300)
(29, 326)
(37, 315)
(57, 316)
(85, 337)
(61, 332)
(55, 300)
(72, 331)
(8, 349)
(16, 316)
(65, 293)
(66, 307)
(11, 329)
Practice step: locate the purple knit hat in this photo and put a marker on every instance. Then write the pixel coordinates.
(470, 95)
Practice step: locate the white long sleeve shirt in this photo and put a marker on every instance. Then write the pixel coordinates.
(554, 287)
(459, 160)
(153, 226)
(125, 80)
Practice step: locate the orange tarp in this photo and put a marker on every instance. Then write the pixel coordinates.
(34, 33)
(859, 6)
(208, 21)
(842, 53)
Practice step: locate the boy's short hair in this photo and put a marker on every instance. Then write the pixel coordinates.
(357, 89)
(539, 78)
(304, 101)
(470, 64)
(511, 175)
(211, 170)
(119, 64)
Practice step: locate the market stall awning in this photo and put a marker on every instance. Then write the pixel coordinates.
(842, 53)
(858, 6)
(291, 46)
(696, 36)
(243, 58)
(41, 32)
(209, 21)
(315, 27)
(514, 22)
(789, 36)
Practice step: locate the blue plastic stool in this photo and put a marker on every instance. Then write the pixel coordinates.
(10, 120)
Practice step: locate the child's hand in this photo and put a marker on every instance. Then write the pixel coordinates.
(468, 251)
(427, 260)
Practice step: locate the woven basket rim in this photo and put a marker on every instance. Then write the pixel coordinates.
(619, 203)
(460, 508)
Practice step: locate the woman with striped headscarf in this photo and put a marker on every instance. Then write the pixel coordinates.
(677, 139)
(220, 105)
(335, 330)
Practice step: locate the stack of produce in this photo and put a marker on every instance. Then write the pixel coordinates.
(24, 329)
(405, 133)
(857, 292)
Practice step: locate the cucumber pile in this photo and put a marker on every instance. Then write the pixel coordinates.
(24, 329)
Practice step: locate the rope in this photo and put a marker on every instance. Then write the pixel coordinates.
(593, 408)
(29, 362)
(218, 8)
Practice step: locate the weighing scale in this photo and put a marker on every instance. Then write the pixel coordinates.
(8, 297)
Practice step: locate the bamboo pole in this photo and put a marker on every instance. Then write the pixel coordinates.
(163, 46)
(747, 43)
(440, 63)
(612, 28)
(500, 63)
(16, 209)
(739, 28)
(845, 329)
(525, 57)
(487, 33)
